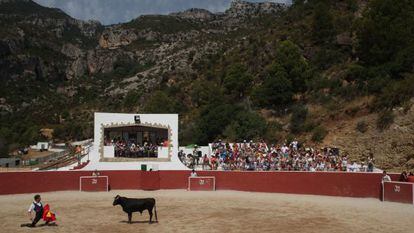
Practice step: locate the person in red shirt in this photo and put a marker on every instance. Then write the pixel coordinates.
(206, 162)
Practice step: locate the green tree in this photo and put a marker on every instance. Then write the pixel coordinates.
(362, 126)
(246, 125)
(319, 133)
(4, 148)
(205, 92)
(395, 93)
(290, 60)
(273, 132)
(298, 119)
(213, 120)
(322, 23)
(385, 120)
(160, 102)
(131, 99)
(385, 31)
(237, 80)
(275, 92)
(352, 5)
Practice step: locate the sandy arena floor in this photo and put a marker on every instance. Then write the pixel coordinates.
(220, 211)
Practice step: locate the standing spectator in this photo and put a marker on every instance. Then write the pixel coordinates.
(78, 153)
(370, 162)
(344, 163)
(363, 167)
(385, 177)
(213, 162)
(199, 156)
(206, 162)
(190, 161)
(181, 155)
(196, 155)
(294, 145)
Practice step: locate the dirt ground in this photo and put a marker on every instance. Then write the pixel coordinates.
(220, 211)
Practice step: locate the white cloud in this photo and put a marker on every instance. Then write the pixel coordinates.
(116, 11)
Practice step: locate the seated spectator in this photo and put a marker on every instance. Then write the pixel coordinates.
(404, 177)
(131, 149)
(259, 156)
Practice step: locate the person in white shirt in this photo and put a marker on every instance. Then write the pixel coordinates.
(294, 145)
(385, 177)
(37, 208)
(284, 149)
(193, 173)
(344, 164)
(353, 167)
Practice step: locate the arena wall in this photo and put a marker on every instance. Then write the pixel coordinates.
(317, 183)
(402, 192)
(35, 182)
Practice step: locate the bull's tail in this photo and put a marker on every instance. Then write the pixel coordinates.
(155, 210)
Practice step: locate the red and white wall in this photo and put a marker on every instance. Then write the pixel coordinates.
(315, 183)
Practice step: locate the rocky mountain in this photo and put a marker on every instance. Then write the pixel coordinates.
(326, 72)
(46, 54)
(241, 8)
(77, 40)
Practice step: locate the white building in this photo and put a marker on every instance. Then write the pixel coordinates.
(134, 130)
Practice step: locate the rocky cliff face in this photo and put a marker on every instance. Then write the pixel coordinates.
(115, 37)
(239, 8)
(196, 14)
(45, 44)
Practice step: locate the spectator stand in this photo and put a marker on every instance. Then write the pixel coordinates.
(258, 156)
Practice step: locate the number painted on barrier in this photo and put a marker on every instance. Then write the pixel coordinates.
(397, 188)
(201, 182)
(94, 181)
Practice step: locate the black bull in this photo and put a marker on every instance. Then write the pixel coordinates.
(130, 205)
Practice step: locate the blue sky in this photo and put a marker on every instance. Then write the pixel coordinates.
(116, 11)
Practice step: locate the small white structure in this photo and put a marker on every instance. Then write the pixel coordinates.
(41, 146)
(115, 131)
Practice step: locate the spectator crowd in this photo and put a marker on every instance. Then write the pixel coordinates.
(258, 156)
(130, 149)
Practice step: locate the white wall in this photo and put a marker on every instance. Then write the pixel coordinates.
(170, 120)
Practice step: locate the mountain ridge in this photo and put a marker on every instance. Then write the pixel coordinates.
(256, 71)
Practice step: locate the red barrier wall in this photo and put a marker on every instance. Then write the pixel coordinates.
(318, 183)
(201, 183)
(150, 180)
(34, 182)
(94, 183)
(399, 192)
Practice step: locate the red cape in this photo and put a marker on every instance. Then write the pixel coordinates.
(48, 216)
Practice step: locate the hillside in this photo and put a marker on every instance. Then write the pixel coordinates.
(335, 73)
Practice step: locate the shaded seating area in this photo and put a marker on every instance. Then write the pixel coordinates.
(136, 141)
